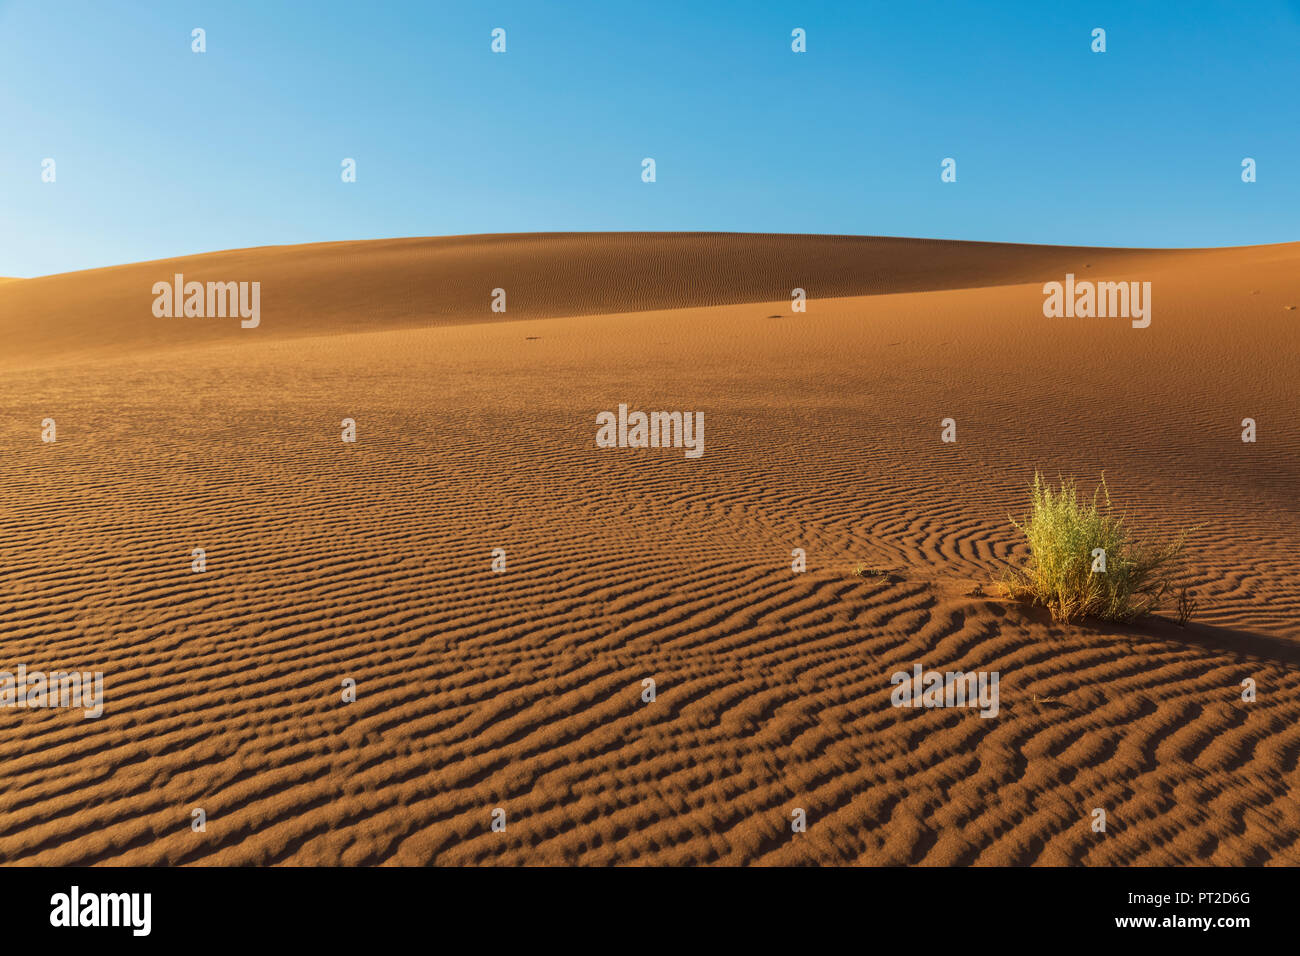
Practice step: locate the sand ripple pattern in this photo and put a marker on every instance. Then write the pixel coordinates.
(523, 690)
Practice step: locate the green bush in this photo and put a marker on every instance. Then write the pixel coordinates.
(1063, 532)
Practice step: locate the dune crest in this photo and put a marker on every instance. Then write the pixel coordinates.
(344, 287)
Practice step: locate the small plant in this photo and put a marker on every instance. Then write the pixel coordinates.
(865, 572)
(1064, 573)
(1186, 606)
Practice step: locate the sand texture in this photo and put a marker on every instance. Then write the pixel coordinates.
(523, 690)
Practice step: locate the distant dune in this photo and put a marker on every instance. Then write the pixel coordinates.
(522, 690)
(343, 287)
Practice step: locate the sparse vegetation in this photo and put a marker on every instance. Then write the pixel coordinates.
(1186, 606)
(1063, 533)
(864, 572)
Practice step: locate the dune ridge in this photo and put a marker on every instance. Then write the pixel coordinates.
(343, 287)
(522, 690)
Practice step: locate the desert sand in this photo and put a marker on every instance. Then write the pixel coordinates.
(522, 690)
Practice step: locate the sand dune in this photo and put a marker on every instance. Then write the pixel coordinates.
(345, 287)
(475, 690)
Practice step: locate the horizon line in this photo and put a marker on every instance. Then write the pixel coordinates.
(645, 232)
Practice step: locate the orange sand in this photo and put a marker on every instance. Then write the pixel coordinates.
(522, 690)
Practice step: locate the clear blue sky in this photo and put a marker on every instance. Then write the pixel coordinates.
(161, 151)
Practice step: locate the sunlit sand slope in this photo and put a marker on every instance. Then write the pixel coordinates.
(344, 287)
(523, 690)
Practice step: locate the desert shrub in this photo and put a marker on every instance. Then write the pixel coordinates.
(1063, 531)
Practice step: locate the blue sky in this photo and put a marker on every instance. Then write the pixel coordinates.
(161, 151)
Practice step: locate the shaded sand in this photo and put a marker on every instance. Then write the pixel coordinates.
(522, 690)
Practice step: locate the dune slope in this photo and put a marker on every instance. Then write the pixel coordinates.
(344, 287)
(523, 690)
